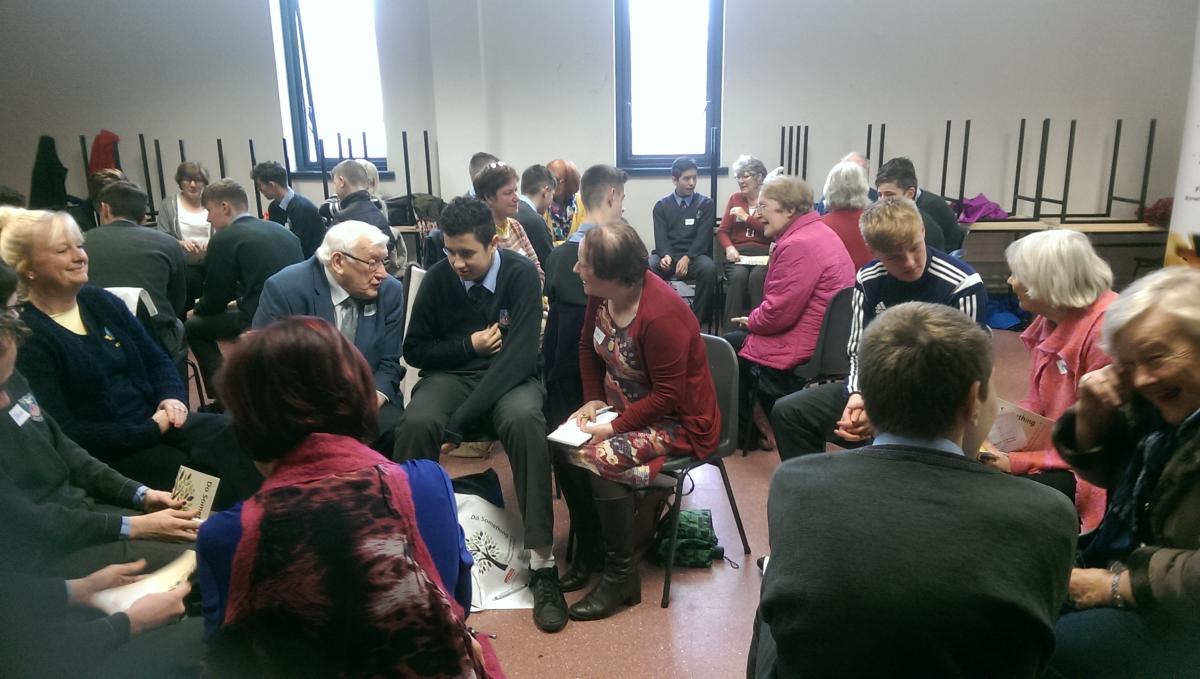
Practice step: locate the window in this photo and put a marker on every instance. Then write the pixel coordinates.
(331, 66)
(668, 62)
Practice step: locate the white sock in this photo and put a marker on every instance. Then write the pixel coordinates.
(542, 557)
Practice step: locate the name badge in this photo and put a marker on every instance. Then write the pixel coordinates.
(1062, 367)
(598, 337)
(689, 221)
(19, 415)
(369, 310)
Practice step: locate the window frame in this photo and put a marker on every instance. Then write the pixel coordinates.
(300, 100)
(656, 164)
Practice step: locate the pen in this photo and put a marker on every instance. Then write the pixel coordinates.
(603, 410)
(508, 593)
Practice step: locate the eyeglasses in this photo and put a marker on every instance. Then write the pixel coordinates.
(372, 264)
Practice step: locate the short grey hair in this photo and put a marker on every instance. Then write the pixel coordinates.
(846, 187)
(1175, 290)
(352, 171)
(342, 237)
(746, 163)
(1060, 268)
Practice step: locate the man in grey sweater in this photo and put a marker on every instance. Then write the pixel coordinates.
(909, 557)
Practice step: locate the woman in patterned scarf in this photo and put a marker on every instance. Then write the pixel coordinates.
(330, 576)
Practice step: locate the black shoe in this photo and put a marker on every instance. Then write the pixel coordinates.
(549, 606)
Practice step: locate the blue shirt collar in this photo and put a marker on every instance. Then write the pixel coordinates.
(287, 198)
(244, 214)
(525, 199)
(492, 276)
(686, 200)
(944, 445)
(577, 237)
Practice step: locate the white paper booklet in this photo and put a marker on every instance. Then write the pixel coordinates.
(164, 579)
(569, 434)
(197, 491)
(754, 260)
(1019, 429)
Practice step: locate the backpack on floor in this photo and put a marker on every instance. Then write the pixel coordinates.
(696, 544)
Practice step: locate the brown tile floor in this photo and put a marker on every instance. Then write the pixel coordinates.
(706, 630)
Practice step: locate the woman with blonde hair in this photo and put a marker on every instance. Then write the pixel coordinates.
(1057, 276)
(94, 367)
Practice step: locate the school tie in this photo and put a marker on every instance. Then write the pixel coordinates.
(479, 295)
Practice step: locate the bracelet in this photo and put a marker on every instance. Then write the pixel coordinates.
(1117, 600)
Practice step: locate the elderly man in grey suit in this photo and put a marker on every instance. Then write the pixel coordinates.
(346, 284)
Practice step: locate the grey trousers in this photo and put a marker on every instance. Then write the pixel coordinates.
(516, 419)
(743, 290)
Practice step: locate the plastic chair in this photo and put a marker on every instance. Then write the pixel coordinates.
(722, 362)
(829, 360)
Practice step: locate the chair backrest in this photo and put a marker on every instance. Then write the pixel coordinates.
(131, 297)
(168, 330)
(413, 276)
(722, 363)
(829, 357)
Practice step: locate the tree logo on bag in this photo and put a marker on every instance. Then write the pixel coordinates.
(485, 551)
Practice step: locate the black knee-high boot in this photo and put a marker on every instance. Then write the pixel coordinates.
(589, 546)
(621, 583)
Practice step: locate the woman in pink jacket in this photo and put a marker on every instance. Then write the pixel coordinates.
(808, 266)
(1058, 276)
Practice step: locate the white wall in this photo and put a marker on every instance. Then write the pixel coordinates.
(532, 81)
(164, 69)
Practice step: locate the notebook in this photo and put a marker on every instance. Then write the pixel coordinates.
(569, 434)
(165, 579)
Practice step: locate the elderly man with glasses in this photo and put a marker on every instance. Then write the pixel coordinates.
(346, 283)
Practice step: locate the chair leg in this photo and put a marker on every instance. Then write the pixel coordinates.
(195, 368)
(571, 543)
(737, 517)
(666, 598)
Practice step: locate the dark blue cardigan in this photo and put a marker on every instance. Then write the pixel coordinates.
(65, 372)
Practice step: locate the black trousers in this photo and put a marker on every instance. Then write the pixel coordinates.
(202, 335)
(702, 271)
(205, 443)
(760, 384)
(389, 419)
(516, 419)
(194, 275)
(803, 420)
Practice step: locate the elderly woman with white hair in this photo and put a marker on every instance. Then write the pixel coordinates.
(1136, 431)
(846, 194)
(1057, 276)
(743, 234)
(346, 283)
